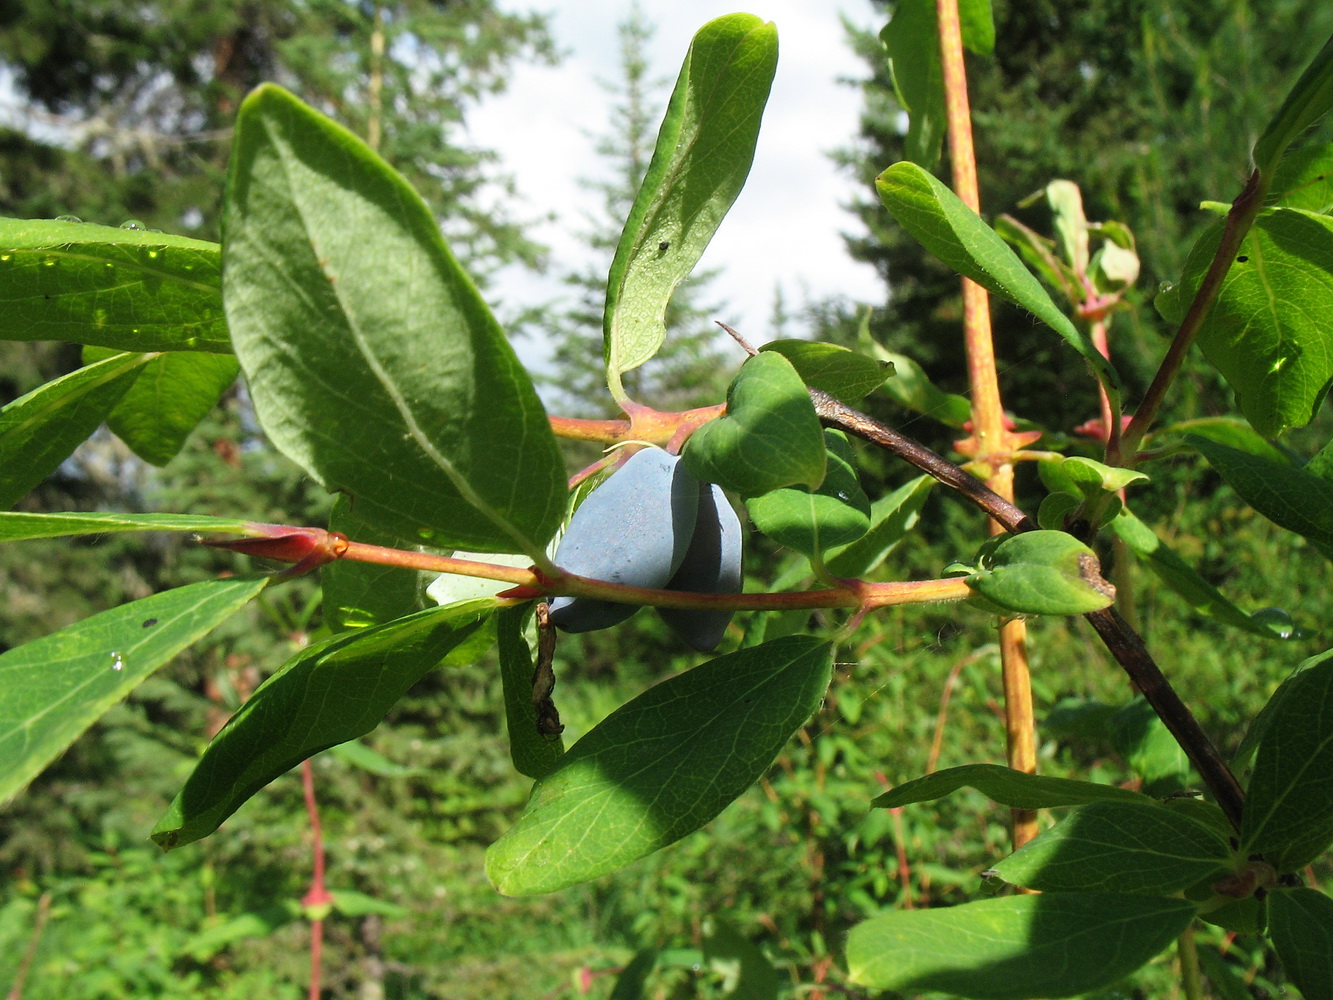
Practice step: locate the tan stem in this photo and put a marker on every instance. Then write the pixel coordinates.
(374, 121)
(993, 443)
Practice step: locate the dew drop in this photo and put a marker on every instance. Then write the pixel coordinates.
(152, 254)
(49, 262)
(133, 224)
(117, 661)
(4, 257)
(425, 534)
(1277, 620)
(68, 218)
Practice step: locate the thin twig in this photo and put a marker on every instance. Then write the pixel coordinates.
(748, 347)
(1127, 647)
(835, 413)
(30, 952)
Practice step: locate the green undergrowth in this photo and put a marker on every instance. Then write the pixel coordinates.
(794, 863)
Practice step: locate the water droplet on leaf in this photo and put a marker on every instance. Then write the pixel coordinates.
(117, 661)
(133, 224)
(1276, 620)
(68, 218)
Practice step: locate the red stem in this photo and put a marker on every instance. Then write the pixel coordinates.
(318, 896)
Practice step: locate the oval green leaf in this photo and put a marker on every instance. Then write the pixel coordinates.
(59, 685)
(16, 526)
(172, 394)
(371, 358)
(661, 766)
(1006, 786)
(1266, 332)
(703, 155)
(1138, 847)
(812, 521)
(1300, 925)
(955, 234)
(127, 289)
(1289, 807)
(1042, 573)
(1017, 947)
(329, 693)
(40, 430)
(770, 436)
(839, 371)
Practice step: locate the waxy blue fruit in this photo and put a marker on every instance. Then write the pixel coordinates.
(711, 566)
(634, 529)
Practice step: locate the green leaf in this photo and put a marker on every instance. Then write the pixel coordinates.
(1289, 808)
(812, 521)
(328, 693)
(358, 594)
(1041, 573)
(15, 527)
(59, 685)
(166, 402)
(1005, 786)
(1287, 495)
(838, 371)
(1137, 847)
(1173, 571)
(891, 518)
(703, 155)
(1017, 947)
(127, 289)
(955, 234)
(1265, 332)
(358, 755)
(371, 358)
(911, 41)
(1260, 723)
(661, 766)
(1308, 101)
(1230, 431)
(911, 388)
(770, 436)
(746, 972)
(1300, 925)
(40, 430)
(533, 754)
(1148, 747)
(1076, 474)
(351, 903)
(1305, 179)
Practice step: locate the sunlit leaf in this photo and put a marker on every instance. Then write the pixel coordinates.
(703, 155)
(16, 526)
(127, 289)
(770, 436)
(955, 234)
(371, 358)
(59, 685)
(1266, 332)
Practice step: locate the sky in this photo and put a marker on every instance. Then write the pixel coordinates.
(785, 227)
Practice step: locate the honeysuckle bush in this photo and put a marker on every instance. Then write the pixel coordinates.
(374, 364)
